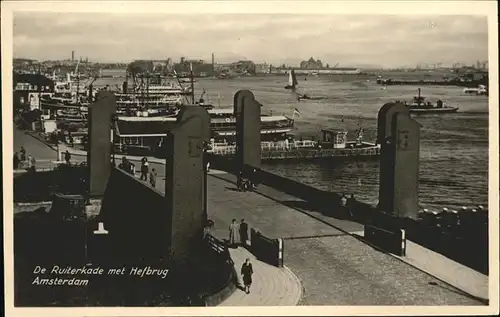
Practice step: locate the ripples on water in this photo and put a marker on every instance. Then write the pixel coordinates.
(454, 147)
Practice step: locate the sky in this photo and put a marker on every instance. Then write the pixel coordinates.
(350, 40)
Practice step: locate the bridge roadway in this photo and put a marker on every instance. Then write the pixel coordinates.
(334, 267)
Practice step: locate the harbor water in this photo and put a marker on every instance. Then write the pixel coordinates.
(453, 148)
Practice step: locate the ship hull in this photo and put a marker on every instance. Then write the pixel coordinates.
(365, 151)
(313, 98)
(434, 111)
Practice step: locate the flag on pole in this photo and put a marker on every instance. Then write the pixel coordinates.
(360, 133)
(296, 112)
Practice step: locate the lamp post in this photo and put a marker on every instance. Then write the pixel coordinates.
(112, 131)
(205, 175)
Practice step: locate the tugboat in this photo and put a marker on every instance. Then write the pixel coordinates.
(420, 106)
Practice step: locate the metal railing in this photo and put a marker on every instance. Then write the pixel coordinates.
(225, 148)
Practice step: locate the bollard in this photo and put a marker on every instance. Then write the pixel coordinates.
(280, 252)
(403, 242)
(100, 229)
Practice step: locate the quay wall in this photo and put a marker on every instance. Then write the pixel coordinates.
(140, 230)
(128, 207)
(471, 84)
(41, 185)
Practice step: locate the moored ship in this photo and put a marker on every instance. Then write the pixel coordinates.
(421, 106)
(145, 133)
(334, 145)
(481, 90)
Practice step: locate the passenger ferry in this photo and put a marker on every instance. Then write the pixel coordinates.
(334, 145)
(155, 101)
(144, 132)
(161, 89)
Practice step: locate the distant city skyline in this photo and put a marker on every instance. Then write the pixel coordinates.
(350, 40)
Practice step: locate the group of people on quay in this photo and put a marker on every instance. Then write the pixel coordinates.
(347, 204)
(24, 160)
(146, 173)
(238, 235)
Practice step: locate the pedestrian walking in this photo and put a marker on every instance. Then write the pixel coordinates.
(243, 232)
(351, 205)
(23, 154)
(152, 178)
(16, 160)
(31, 164)
(233, 231)
(67, 157)
(246, 273)
(343, 200)
(124, 164)
(144, 169)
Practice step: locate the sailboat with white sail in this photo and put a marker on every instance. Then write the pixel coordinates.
(292, 85)
(292, 81)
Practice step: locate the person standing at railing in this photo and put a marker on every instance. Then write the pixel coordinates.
(23, 154)
(253, 179)
(233, 231)
(343, 202)
(16, 161)
(152, 178)
(31, 164)
(351, 205)
(144, 169)
(67, 157)
(243, 232)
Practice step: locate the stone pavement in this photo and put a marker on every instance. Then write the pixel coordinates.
(439, 266)
(271, 286)
(335, 268)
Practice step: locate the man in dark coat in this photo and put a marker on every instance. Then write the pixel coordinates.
(67, 157)
(144, 169)
(246, 273)
(243, 232)
(16, 161)
(23, 154)
(152, 177)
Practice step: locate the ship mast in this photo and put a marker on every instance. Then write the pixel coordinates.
(40, 87)
(192, 83)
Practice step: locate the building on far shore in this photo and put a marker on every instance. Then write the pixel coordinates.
(329, 71)
(317, 71)
(311, 64)
(263, 68)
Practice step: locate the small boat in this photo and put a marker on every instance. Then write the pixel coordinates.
(419, 105)
(307, 97)
(293, 83)
(292, 80)
(481, 90)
